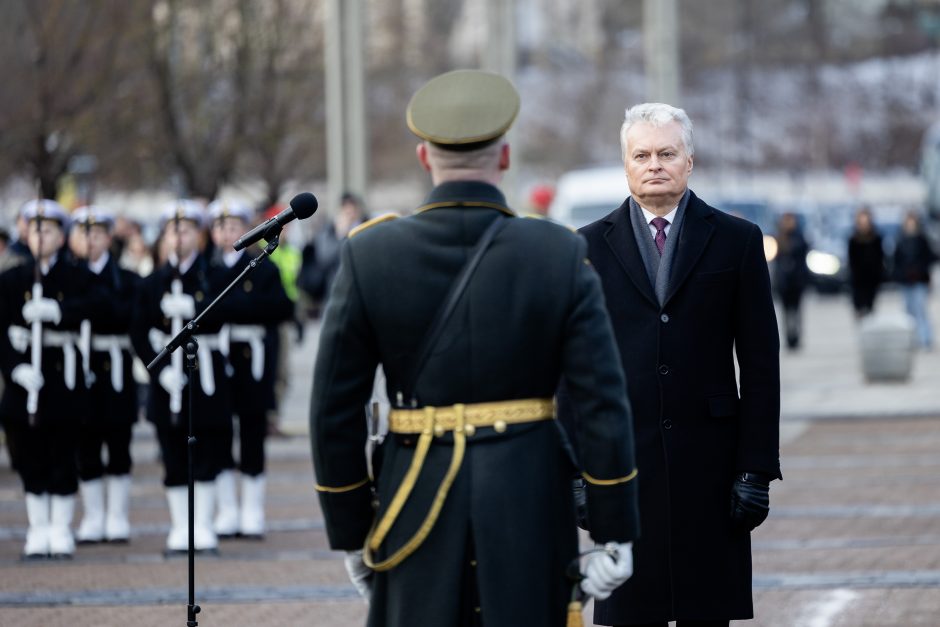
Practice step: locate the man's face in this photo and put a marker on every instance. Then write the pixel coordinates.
(226, 231)
(51, 236)
(656, 162)
(78, 241)
(99, 241)
(183, 240)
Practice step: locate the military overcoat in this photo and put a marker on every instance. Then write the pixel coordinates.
(532, 311)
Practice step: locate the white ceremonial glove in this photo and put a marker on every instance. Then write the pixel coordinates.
(606, 570)
(171, 380)
(359, 574)
(181, 305)
(42, 310)
(27, 377)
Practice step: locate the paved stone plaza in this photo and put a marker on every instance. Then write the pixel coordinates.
(853, 537)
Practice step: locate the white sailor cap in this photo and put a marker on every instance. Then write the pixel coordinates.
(45, 210)
(183, 209)
(220, 209)
(92, 215)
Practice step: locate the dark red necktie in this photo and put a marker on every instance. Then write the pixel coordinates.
(660, 239)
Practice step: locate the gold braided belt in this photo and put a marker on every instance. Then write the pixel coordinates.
(498, 415)
(463, 420)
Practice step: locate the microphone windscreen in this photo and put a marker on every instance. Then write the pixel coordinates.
(304, 204)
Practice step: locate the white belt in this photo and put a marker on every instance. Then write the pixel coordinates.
(20, 338)
(207, 343)
(253, 335)
(114, 345)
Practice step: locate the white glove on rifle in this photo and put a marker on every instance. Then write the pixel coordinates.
(27, 377)
(42, 310)
(171, 380)
(359, 574)
(606, 570)
(181, 305)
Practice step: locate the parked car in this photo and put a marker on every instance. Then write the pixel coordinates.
(585, 196)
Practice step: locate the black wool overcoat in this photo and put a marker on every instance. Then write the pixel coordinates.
(696, 424)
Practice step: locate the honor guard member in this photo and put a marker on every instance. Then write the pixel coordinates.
(42, 304)
(251, 312)
(169, 297)
(471, 516)
(112, 391)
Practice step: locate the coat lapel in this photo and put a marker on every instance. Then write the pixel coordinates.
(696, 231)
(619, 237)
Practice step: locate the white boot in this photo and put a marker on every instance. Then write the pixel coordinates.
(61, 542)
(37, 537)
(117, 526)
(226, 520)
(252, 519)
(204, 535)
(177, 498)
(92, 528)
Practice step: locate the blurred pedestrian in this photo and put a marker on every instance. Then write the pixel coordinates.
(688, 288)
(172, 295)
(866, 262)
(112, 392)
(252, 311)
(791, 275)
(540, 199)
(136, 255)
(913, 258)
(45, 300)
(475, 518)
(321, 254)
(17, 250)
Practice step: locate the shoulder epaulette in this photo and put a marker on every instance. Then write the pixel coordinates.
(385, 217)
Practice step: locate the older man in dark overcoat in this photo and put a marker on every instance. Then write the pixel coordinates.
(688, 290)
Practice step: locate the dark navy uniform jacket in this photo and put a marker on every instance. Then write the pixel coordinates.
(211, 411)
(73, 287)
(259, 300)
(532, 313)
(113, 320)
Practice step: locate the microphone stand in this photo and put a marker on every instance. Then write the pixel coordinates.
(185, 335)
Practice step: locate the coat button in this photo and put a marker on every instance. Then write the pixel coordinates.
(664, 317)
(469, 430)
(499, 426)
(439, 431)
(664, 369)
(667, 424)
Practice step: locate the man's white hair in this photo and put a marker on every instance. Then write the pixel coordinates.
(657, 114)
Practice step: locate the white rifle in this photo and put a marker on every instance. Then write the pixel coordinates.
(176, 359)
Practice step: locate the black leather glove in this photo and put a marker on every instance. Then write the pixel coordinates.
(579, 488)
(750, 500)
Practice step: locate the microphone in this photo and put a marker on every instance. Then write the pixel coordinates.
(302, 206)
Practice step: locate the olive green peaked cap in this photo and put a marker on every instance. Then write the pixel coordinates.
(463, 109)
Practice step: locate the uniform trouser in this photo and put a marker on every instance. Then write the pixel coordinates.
(209, 453)
(93, 436)
(252, 430)
(44, 455)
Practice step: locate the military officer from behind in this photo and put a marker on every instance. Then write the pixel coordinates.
(41, 309)
(169, 297)
(251, 312)
(470, 516)
(112, 392)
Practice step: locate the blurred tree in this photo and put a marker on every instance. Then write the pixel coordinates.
(238, 83)
(59, 64)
